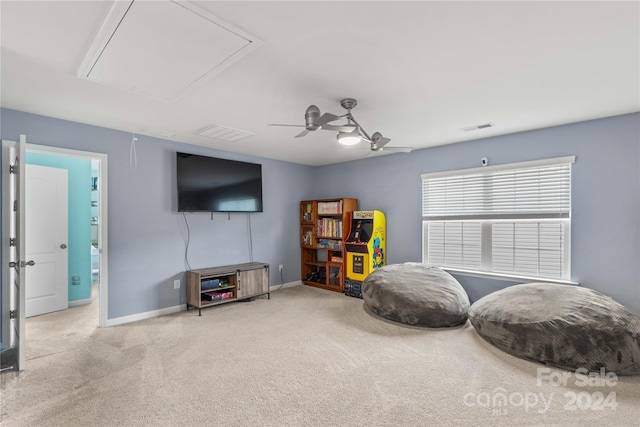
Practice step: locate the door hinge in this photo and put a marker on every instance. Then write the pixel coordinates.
(13, 264)
(12, 241)
(13, 169)
(13, 314)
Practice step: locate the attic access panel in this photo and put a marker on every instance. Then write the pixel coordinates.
(162, 49)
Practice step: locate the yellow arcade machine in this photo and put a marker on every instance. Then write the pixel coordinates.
(365, 249)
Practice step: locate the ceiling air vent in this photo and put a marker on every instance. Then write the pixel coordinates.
(223, 133)
(477, 127)
(162, 49)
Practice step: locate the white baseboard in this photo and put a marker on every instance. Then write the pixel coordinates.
(175, 309)
(78, 302)
(145, 315)
(285, 285)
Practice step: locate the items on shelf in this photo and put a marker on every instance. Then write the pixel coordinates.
(330, 244)
(307, 215)
(209, 284)
(307, 238)
(216, 296)
(329, 227)
(330, 208)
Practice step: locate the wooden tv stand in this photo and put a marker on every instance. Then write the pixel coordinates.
(213, 286)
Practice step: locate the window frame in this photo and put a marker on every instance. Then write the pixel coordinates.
(487, 221)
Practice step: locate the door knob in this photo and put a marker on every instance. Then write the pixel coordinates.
(63, 246)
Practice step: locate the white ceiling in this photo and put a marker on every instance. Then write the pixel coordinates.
(420, 71)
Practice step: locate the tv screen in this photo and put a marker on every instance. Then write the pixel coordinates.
(210, 184)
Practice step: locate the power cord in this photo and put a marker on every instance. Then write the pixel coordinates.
(186, 248)
(281, 280)
(250, 237)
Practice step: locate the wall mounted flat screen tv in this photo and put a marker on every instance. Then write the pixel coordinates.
(210, 184)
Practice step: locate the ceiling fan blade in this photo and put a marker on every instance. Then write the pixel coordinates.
(395, 149)
(326, 118)
(378, 141)
(381, 142)
(282, 124)
(303, 133)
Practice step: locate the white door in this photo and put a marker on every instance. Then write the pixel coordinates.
(47, 287)
(13, 255)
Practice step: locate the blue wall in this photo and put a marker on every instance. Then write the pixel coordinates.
(79, 244)
(146, 233)
(147, 236)
(605, 243)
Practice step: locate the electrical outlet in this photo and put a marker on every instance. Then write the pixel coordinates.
(280, 267)
(176, 284)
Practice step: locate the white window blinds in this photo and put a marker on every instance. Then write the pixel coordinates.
(455, 244)
(540, 189)
(511, 220)
(529, 248)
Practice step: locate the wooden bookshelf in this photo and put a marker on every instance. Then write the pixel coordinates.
(323, 225)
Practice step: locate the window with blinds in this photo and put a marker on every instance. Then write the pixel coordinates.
(511, 220)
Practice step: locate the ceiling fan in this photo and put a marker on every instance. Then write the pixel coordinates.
(349, 134)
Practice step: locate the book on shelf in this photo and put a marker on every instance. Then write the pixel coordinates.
(329, 227)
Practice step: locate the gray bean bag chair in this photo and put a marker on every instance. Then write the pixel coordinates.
(565, 326)
(416, 294)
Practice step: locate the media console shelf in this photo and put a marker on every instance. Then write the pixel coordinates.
(212, 286)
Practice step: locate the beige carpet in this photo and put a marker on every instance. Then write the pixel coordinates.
(306, 357)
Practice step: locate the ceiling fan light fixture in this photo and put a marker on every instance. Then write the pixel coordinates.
(348, 138)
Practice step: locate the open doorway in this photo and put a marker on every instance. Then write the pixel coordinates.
(88, 284)
(95, 222)
(14, 288)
